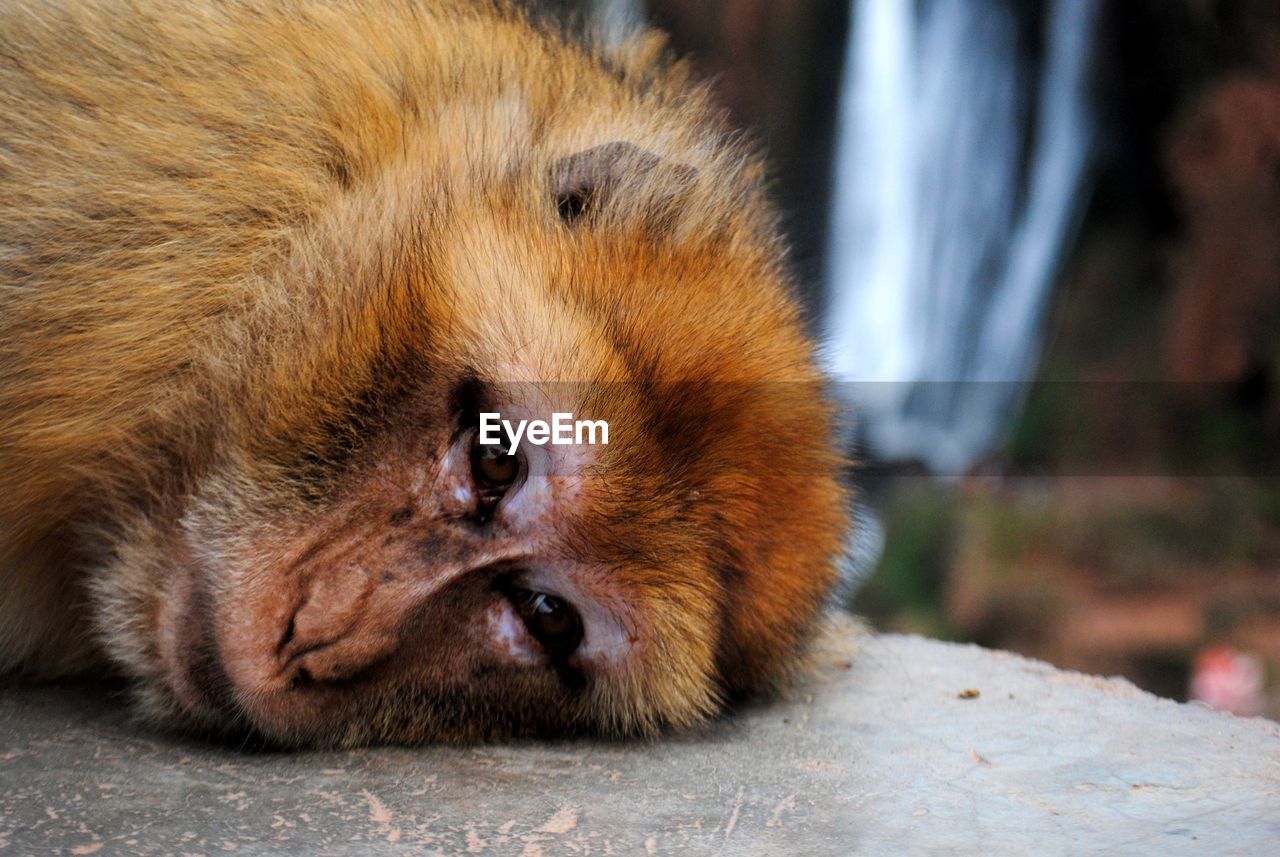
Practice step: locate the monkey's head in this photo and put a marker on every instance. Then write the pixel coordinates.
(356, 565)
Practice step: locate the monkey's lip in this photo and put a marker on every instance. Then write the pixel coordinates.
(279, 702)
(189, 647)
(199, 676)
(207, 687)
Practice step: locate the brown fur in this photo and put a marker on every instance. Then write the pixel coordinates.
(247, 254)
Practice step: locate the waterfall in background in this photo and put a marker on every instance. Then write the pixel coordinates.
(958, 177)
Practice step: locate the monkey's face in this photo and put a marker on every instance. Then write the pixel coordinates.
(448, 589)
(360, 566)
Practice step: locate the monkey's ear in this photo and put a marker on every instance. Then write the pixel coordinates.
(583, 183)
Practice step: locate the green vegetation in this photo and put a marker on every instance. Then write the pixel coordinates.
(904, 592)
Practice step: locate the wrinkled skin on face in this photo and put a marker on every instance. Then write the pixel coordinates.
(295, 530)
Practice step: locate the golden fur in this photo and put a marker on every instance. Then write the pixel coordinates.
(225, 229)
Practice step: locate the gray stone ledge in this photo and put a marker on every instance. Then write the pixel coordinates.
(879, 754)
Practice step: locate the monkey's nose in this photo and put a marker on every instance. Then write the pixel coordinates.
(346, 624)
(341, 659)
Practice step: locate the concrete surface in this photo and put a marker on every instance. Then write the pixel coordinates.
(890, 753)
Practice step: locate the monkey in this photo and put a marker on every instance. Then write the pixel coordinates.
(262, 266)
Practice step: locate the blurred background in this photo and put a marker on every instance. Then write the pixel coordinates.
(1040, 242)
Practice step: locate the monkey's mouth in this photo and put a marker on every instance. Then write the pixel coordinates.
(208, 690)
(211, 701)
(200, 685)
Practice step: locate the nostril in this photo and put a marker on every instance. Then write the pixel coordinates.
(343, 659)
(302, 678)
(289, 632)
(341, 629)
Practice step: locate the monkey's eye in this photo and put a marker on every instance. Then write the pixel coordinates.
(550, 620)
(493, 469)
